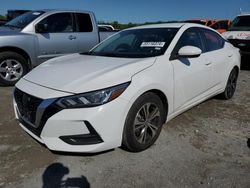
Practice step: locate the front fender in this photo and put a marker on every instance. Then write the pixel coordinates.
(156, 77)
(25, 43)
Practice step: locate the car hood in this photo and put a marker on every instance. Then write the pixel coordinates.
(243, 35)
(4, 31)
(82, 73)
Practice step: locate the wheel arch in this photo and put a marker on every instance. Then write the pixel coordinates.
(19, 51)
(163, 98)
(237, 69)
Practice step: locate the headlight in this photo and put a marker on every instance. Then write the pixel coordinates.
(94, 98)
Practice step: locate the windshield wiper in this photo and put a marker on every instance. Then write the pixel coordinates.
(86, 53)
(108, 54)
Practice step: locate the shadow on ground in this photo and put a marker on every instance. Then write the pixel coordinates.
(54, 174)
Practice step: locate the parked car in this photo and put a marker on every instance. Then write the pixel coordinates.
(37, 36)
(239, 33)
(221, 25)
(11, 14)
(206, 22)
(123, 90)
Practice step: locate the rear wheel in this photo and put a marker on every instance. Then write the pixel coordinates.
(231, 85)
(12, 67)
(144, 122)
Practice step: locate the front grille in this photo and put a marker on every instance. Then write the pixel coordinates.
(243, 45)
(27, 105)
(28, 108)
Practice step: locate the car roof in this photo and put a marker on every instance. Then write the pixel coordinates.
(61, 10)
(201, 20)
(169, 25)
(245, 14)
(164, 25)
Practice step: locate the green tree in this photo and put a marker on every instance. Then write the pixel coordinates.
(2, 17)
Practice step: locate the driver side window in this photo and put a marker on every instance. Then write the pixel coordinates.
(191, 37)
(59, 23)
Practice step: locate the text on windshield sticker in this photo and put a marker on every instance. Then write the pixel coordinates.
(36, 13)
(153, 44)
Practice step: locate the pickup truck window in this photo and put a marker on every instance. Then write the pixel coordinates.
(84, 23)
(23, 20)
(59, 23)
(241, 23)
(136, 43)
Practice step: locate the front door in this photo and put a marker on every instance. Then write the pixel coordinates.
(192, 76)
(59, 38)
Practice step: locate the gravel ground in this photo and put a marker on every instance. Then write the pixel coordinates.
(204, 147)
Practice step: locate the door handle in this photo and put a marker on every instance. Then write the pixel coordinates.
(230, 55)
(208, 63)
(71, 37)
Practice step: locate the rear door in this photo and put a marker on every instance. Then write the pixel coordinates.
(60, 38)
(86, 33)
(192, 76)
(217, 56)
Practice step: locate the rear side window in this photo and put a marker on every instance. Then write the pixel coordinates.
(59, 23)
(213, 40)
(224, 25)
(84, 23)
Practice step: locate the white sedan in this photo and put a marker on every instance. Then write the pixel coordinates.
(123, 90)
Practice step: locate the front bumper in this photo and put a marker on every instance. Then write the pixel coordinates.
(80, 130)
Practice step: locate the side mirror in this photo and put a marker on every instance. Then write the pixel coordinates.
(189, 52)
(41, 28)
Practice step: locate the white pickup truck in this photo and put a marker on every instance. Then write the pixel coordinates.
(239, 33)
(37, 36)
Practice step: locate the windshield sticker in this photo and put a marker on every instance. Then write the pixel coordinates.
(36, 13)
(153, 44)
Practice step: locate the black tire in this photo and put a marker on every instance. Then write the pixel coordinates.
(231, 85)
(133, 138)
(10, 74)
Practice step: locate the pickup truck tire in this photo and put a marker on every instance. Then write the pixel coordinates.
(143, 123)
(12, 67)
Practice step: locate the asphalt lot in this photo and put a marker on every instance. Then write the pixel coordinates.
(204, 147)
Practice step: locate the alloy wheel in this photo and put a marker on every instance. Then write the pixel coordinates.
(147, 122)
(231, 85)
(11, 70)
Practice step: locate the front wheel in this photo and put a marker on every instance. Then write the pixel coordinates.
(12, 67)
(231, 85)
(144, 122)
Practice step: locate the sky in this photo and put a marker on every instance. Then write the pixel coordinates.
(139, 11)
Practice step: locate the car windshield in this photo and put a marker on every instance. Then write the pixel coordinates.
(24, 19)
(136, 43)
(241, 23)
